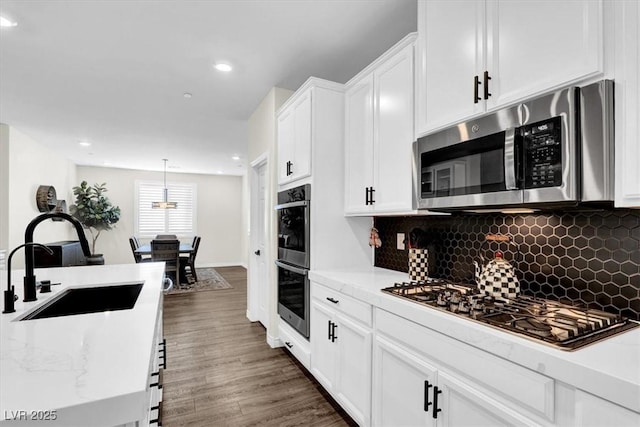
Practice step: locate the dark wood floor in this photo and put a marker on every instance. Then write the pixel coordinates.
(221, 371)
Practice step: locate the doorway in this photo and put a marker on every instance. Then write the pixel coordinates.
(258, 286)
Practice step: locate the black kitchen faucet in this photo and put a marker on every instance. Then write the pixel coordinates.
(29, 277)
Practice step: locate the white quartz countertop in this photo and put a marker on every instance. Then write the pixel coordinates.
(89, 369)
(609, 368)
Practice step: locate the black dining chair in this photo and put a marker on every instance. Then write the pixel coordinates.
(166, 237)
(135, 244)
(190, 261)
(169, 252)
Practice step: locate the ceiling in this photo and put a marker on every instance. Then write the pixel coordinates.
(114, 73)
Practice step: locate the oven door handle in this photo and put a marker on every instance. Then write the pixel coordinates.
(292, 204)
(510, 181)
(298, 270)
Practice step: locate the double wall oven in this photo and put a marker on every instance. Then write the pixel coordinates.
(293, 257)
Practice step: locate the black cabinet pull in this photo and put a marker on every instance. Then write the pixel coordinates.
(366, 197)
(427, 386)
(334, 337)
(288, 344)
(163, 354)
(289, 168)
(436, 392)
(476, 83)
(335, 301)
(371, 199)
(158, 420)
(329, 335)
(486, 85)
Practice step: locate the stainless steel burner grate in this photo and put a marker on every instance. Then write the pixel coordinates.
(554, 323)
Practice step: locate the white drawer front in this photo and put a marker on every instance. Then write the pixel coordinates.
(296, 344)
(343, 303)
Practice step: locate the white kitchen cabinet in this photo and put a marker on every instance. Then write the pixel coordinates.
(478, 56)
(341, 349)
(421, 376)
(592, 411)
(295, 343)
(409, 391)
(295, 138)
(627, 96)
(379, 114)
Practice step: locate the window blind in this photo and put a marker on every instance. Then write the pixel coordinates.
(180, 221)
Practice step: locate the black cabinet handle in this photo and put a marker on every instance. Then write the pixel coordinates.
(486, 85)
(476, 83)
(334, 337)
(289, 168)
(288, 344)
(371, 199)
(436, 392)
(158, 420)
(366, 197)
(427, 386)
(329, 335)
(163, 354)
(335, 301)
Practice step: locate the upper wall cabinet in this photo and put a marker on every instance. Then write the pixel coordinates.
(627, 87)
(477, 56)
(379, 114)
(294, 138)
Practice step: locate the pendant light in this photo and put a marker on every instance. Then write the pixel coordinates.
(164, 204)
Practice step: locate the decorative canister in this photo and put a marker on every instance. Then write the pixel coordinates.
(418, 264)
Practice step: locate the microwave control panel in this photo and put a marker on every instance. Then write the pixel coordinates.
(543, 153)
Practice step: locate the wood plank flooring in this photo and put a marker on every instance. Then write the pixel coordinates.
(221, 372)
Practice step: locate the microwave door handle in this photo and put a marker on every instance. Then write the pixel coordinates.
(510, 162)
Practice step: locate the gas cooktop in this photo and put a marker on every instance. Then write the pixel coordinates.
(560, 325)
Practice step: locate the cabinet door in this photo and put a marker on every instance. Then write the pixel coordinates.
(533, 45)
(393, 133)
(353, 380)
(400, 387)
(286, 122)
(301, 163)
(323, 350)
(627, 96)
(462, 405)
(449, 55)
(591, 411)
(358, 145)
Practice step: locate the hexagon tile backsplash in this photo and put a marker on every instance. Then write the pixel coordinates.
(585, 258)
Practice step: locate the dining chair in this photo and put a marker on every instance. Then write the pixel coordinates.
(169, 252)
(190, 261)
(166, 237)
(135, 244)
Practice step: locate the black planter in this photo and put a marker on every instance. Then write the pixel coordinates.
(95, 259)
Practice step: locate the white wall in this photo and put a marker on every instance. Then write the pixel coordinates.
(262, 141)
(219, 214)
(26, 165)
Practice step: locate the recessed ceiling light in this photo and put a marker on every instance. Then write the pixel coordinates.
(84, 144)
(187, 95)
(5, 22)
(236, 157)
(221, 66)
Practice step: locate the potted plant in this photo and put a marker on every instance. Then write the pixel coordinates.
(95, 212)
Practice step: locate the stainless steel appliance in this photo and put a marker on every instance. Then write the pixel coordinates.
(553, 323)
(293, 257)
(553, 150)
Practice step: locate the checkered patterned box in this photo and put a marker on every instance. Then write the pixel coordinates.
(418, 264)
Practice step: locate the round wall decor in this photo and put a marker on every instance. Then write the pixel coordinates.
(46, 199)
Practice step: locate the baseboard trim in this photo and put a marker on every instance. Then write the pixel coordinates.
(250, 317)
(273, 341)
(221, 264)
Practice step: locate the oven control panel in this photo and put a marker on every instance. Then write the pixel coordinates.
(543, 153)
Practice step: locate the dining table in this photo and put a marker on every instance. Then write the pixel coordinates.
(185, 249)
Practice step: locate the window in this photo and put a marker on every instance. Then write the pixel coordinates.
(180, 221)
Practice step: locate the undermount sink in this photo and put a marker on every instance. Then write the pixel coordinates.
(95, 299)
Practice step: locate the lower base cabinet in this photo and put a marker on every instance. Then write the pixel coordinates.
(408, 391)
(341, 352)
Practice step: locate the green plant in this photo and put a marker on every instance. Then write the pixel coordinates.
(94, 210)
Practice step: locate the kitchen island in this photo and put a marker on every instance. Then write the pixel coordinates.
(482, 370)
(81, 370)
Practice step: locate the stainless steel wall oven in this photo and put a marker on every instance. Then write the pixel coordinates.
(293, 257)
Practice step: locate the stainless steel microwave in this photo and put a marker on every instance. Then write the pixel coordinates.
(555, 150)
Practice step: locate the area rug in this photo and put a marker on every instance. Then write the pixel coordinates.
(208, 280)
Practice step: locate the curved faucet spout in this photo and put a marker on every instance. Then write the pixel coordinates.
(30, 278)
